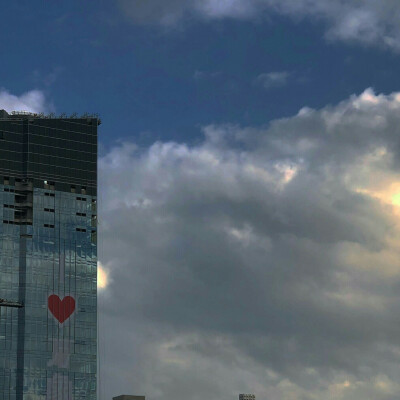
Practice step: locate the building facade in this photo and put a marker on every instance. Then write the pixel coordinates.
(48, 257)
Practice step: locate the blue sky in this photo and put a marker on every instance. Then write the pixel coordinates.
(249, 186)
(149, 81)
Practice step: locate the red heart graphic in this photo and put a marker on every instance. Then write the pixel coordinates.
(61, 309)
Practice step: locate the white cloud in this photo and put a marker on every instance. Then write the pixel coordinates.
(226, 8)
(272, 79)
(205, 75)
(370, 22)
(32, 101)
(258, 259)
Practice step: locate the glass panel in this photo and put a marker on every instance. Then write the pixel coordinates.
(57, 328)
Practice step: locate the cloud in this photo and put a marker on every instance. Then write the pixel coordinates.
(154, 11)
(32, 101)
(369, 22)
(259, 260)
(206, 75)
(48, 79)
(272, 79)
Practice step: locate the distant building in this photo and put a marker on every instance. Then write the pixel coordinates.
(128, 397)
(247, 397)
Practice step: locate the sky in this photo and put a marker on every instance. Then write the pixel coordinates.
(249, 187)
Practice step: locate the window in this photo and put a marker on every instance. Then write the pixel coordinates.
(73, 189)
(49, 194)
(2, 135)
(49, 185)
(6, 180)
(83, 190)
(81, 198)
(94, 237)
(80, 230)
(81, 214)
(49, 209)
(48, 225)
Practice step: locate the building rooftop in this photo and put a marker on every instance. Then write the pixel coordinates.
(129, 397)
(27, 114)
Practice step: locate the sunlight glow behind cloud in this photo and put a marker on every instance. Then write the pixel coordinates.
(389, 195)
(102, 277)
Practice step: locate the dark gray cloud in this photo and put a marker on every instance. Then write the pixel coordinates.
(260, 260)
(368, 22)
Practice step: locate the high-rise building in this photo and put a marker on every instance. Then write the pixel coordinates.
(247, 397)
(48, 256)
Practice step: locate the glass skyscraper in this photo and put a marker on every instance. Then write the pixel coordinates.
(48, 256)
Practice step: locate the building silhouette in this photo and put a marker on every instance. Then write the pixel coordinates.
(247, 396)
(48, 257)
(129, 397)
